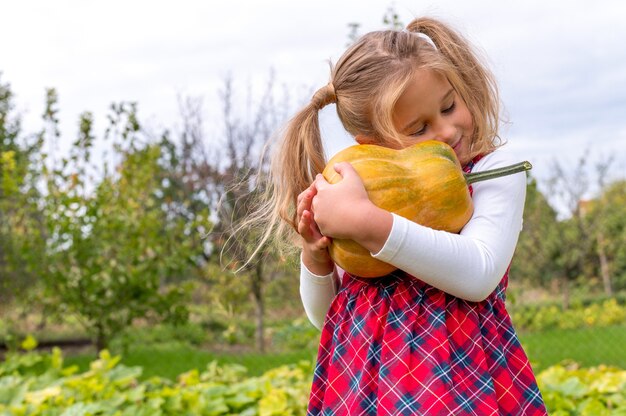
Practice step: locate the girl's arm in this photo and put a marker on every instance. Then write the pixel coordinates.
(317, 282)
(317, 292)
(470, 264)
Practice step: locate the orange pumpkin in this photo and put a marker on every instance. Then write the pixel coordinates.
(423, 183)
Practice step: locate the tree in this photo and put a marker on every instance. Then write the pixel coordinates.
(391, 19)
(238, 183)
(112, 248)
(577, 232)
(534, 260)
(230, 175)
(608, 213)
(225, 175)
(22, 235)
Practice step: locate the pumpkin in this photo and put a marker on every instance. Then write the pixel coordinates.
(423, 183)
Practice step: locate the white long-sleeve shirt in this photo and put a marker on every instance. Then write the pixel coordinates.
(468, 265)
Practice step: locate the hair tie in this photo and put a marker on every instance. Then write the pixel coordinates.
(324, 96)
(423, 36)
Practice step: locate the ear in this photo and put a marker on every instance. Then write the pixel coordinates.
(362, 139)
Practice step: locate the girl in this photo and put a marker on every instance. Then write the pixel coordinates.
(434, 337)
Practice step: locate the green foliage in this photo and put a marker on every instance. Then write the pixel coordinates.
(299, 334)
(33, 384)
(391, 19)
(570, 390)
(585, 250)
(546, 317)
(22, 237)
(608, 211)
(187, 333)
(114, 249)
(534, 260)
(40, 384)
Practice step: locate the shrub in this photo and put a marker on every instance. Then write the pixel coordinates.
(37, 384)
(539, 317)
(570, 390)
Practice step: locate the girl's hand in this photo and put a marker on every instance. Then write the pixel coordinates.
(314, 245)
(344, 210)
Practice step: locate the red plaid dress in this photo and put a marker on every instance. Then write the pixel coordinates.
(395, 345)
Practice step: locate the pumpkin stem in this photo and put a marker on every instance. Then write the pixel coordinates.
(496, 173)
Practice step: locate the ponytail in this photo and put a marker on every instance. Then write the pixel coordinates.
(299, 158)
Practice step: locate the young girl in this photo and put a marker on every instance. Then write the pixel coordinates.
(434, 337)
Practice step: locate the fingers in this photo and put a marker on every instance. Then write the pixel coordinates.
(308, 230)
(307, 227)
(304, 226)
(323, 243)
(304, 193)
(344, 169)
(304, 201)
(319, 182)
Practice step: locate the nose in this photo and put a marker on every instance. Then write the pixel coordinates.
(444, 131)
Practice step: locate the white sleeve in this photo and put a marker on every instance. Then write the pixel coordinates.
(317, 293)
(468, 265)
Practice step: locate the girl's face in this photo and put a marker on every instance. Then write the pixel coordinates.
(430, 109)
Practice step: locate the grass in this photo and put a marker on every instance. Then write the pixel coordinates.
(171, 360)
(586, 346)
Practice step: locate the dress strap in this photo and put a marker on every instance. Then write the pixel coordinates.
(468, 168)
(470, 165)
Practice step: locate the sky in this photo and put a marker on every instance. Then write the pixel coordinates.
(560, 65)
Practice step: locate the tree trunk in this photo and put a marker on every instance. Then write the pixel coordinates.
(101, 341)
(566, 292)
(257, 293)
(604, 266)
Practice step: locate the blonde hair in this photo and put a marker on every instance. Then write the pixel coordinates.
(365, 84)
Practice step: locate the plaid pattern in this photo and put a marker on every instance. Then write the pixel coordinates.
(397, 346)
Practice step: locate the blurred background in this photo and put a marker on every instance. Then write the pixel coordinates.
(124, 124)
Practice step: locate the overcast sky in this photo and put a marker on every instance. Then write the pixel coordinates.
(561, 65)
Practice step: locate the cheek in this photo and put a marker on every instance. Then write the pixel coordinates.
(466, 119)
(463, 151)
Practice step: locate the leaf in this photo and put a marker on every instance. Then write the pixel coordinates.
(82, 409)
(239, 402)
(573, 387)
(13, 389)
(38, 397)
(273, 404)
(29, 343)
(217, 407)
(593, 407)
(123, 376)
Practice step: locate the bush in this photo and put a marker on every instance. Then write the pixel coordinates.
(37, 384)
(297, 335)
(186, 334)
(570, 390)
(545, 317)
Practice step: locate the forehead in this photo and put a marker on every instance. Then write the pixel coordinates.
(422, 96)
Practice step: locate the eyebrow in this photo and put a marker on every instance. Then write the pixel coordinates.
(414, 122)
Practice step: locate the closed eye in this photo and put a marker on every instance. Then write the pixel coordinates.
(419, 132)
(449, 109)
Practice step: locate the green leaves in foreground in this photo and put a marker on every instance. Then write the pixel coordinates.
(38, 384)
(596, 391)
